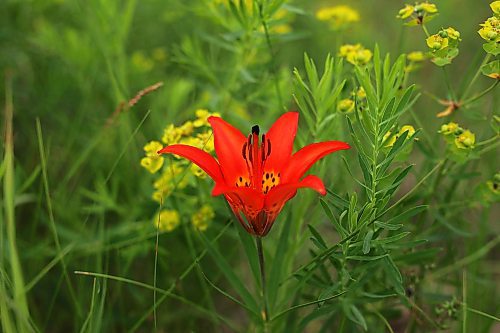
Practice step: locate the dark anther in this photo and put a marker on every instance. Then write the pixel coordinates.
(267, 176)
(243, 151)
(255, 129)
(268, 147)
(263, 149)
(241, 179)
(279, 175)
(273, 180)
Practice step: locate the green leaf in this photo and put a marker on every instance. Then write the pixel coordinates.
(387, 225)
(230, 275)
(367, 241)
(366, 258)
(391, 239)
(250, 249)
(320, 241)
(356, 316)
(407, 214)
(394, 275)
(492, 69)
(278, 266)
(340, 230)
(492, 48)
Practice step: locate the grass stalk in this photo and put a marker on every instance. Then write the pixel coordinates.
(265, 307)
(9, 190)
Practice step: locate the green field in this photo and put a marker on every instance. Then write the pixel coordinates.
(100, 233)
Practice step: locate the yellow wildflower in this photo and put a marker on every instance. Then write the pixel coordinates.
(202, 117)
(465, 140)
(345, 105)
(281, 29)
(437, 42)
(338, 17)
(389, 139)
(201, 218)
(452, 33)
(168, 181)
(495, 7)
(449, 128)
(186, 128)
(416, 56)
(159, 54)
(409, 129)
(171, 135)
(405, 12)
(192, 141)
(207, 140)
(142, 62)
(152, 162)
(361, 93)
(355, 54)
(167, 220)
(426, 7)
(490, 30)
(197, 171)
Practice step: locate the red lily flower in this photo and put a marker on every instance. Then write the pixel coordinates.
(257, 177)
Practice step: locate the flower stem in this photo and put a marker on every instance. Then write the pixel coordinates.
(265, 310)
(481, 94)
(451, 92)
(425, 30)
(274, 71)
(476, 75)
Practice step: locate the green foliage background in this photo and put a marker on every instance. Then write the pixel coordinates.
(76, 199)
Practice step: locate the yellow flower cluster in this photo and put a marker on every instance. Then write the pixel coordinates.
(490, 30)
(419, 11)
(194, 133)
(172, 178)
(152, 162)
(202, 217)
(338, 17)
(361, 93)
(184, 133)
(355, 54)
(166, 220)
(441, 40)
(144, 62)
(390, 138)
(416, 56)
(463, 139)
(495, 7)
(345, 105)
(449, 128)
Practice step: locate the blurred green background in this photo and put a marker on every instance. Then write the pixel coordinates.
(71, 64)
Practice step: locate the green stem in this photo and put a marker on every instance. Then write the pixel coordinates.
(265, 309)
(451, 92)
(271, 52)
(474, 78)
(481, 94)
(425, 30)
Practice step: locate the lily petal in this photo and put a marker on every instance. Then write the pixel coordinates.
(243, 195)
(302, 160)
(278, 196)
(282, 193)
(199, 157)
(228, 143)
(281, 135)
